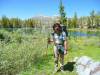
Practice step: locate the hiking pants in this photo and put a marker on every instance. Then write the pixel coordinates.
(58, 56)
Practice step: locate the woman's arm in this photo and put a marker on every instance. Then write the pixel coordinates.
(49, 41)
(65, 46)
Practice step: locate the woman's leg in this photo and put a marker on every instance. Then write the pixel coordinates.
(61, 60)
(56, 57)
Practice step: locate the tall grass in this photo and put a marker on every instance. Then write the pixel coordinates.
(25, 52)
(18, 51)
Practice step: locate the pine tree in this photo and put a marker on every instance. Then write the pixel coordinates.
(88, 22)
(5, 21)
(92, 16)
(63, 18)
(74, 20)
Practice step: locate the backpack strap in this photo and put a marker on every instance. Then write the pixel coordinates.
(53, 37)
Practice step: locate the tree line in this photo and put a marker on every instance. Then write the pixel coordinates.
(92, 21)
(6, 22)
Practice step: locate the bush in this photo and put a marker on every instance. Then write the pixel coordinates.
(21, 52)
(4, 36)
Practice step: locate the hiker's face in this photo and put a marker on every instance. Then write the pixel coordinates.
(57, 29)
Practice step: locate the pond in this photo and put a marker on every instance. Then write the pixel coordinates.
(72, 33)
(83, 33)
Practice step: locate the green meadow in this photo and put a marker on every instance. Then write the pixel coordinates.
(25, 52)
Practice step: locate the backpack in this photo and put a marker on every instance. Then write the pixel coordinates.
(65, 30)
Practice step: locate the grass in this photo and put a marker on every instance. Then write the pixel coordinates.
(78, 48)
(27, 53)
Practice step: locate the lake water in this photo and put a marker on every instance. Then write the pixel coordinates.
(84, 33)
(73, 33)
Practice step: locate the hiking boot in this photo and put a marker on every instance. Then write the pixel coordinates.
(62, 69)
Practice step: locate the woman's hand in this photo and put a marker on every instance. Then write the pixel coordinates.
(49, 41)
(65, 52)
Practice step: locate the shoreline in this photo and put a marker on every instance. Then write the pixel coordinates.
(79, 29)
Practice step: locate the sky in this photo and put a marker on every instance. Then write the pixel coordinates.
(29, 8)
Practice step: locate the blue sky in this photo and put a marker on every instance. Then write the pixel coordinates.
(29, 8)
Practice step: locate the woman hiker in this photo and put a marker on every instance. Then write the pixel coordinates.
(59, 38)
